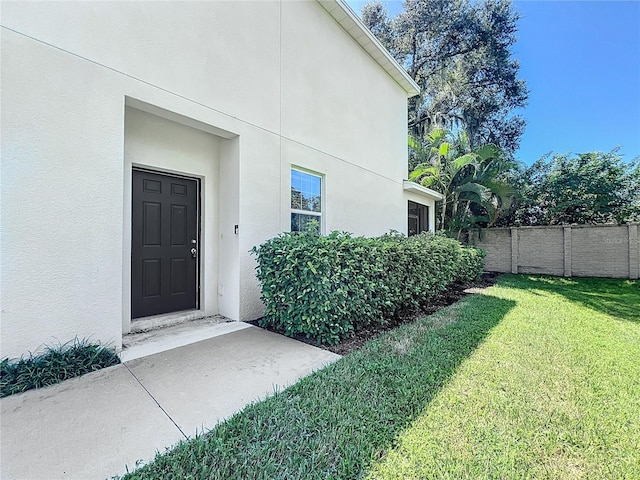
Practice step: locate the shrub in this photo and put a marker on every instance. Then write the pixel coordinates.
(54, 365)
(471, 264)
(325, 287)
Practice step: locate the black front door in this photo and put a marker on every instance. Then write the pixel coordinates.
(164, 248)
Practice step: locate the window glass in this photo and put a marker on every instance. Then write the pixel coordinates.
(306, 200)
(301, 222)
(418, 220)
(305, 191)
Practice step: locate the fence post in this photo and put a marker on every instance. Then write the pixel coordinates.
(634, 252)
(473, 237)
(567, 251)
(514, 250)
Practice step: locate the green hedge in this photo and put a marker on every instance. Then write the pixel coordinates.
(325, 287)
(471, 264)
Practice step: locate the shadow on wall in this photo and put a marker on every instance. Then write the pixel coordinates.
(617, 297)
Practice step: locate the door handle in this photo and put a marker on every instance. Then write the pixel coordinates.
(194, 252)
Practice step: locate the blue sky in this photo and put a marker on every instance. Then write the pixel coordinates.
(581, 61)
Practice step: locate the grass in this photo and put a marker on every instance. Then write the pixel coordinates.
(55, 364)
(336, 422)
(554, 392)
(534, 378)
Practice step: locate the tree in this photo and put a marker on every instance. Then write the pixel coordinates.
(471, 180)
(587, 188)
(459, 54)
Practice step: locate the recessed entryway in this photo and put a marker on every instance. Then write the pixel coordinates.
(164, 243)
(176, 154)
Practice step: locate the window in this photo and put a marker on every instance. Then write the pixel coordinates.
(306, 200)
(418, 219)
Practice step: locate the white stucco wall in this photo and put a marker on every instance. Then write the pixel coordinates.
(336, 99)
(245, 90)
(61, 222)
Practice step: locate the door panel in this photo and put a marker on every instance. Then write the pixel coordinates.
(152, 221)
(179, 272)
(178, 225)
(164, 228)
(151, 269)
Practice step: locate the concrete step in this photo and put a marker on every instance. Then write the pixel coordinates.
(166, 337)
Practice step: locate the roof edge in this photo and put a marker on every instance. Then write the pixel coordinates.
(349, 20)
(418, 189)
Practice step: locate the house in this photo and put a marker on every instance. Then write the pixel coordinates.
(147, 147)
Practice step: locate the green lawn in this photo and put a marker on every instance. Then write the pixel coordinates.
(553, 392)
(534, 378)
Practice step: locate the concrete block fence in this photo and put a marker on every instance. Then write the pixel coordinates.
(577, 250)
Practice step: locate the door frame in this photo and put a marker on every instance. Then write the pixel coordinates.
(422, 216)
(198, 228)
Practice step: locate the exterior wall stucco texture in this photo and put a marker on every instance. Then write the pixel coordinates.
(273, 84)
(496, 242)
(607, 249)
(540, 251)
(581, 251)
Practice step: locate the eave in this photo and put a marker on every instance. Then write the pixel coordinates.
(349, 20)
(418, 189)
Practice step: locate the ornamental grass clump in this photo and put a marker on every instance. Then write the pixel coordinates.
(55, 364)
(326, 287)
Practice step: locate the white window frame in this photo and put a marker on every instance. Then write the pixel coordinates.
(319, 214)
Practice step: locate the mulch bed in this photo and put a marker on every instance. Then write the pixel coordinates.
(446, 298)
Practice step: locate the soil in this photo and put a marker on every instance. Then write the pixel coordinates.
(449, 296)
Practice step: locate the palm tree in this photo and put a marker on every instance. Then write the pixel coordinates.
(472, 181)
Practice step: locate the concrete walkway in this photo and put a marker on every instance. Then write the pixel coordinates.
(100, 424)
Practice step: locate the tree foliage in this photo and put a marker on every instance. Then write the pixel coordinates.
(458, 52)
(587, 188)
(472, 181)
